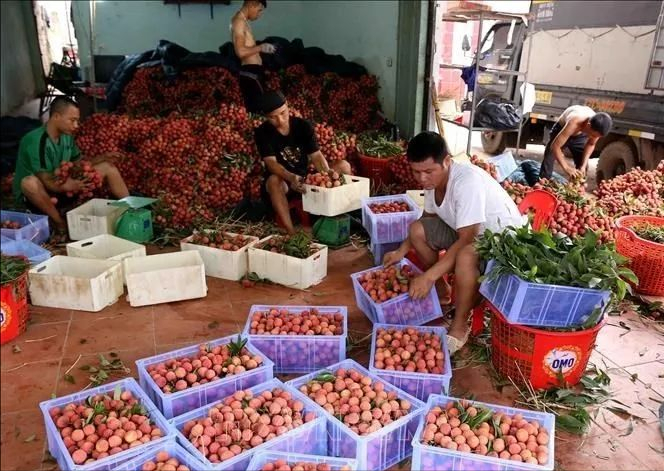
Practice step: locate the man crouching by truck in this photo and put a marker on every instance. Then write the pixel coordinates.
(460, 202)
(578, 129)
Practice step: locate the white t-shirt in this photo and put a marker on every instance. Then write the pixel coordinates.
(474, 197)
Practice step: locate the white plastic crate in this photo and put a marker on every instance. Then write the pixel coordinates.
(420, 385)
(219, 263)
(288, 271)
(400, 310)
(57, 447)
(379, 250)
(34, 228)
(181, 402)
(95, 217)
(75, 283)
(165, 278)
(417, 196)
(308, 438)
(171, 447)
(337, 200)
(379, 450)
(264, 457)
(106, 247)
(389, 227)
(300, 353)
(432, 458)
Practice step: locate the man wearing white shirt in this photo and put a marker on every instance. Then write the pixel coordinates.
(460, 202)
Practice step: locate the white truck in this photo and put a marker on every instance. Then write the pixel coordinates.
(608, 55)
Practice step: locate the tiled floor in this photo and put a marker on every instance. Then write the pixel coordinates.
(57, 339)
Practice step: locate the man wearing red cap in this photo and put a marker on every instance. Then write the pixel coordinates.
(287, 145)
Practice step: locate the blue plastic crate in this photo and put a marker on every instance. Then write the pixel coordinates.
(400, 310)
(389, 227)
(33, 252)
(379, 450)
(171, 447)
(265, 457)
(420, 385)
(180, 402)
(379, 250)
(300, 353)
(34, 226)
(308, 438)
(542, 305)
(432, 458)
(57, 447)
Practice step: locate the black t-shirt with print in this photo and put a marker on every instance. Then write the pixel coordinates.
(291, 151)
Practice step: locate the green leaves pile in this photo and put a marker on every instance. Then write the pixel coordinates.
(538, 257)
(12, 267)
(378, 145)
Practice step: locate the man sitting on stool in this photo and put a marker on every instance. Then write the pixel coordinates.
(41, 152)
(287, 145)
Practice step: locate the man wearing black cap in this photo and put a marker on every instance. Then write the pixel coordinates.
(252, 73)
(287, 145)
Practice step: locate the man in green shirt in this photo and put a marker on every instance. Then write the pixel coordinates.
(41, 152)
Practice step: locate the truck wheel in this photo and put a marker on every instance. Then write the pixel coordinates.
(615, 159)
(494, 142)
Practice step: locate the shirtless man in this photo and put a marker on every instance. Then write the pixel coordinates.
(252, 73)
(578, 128)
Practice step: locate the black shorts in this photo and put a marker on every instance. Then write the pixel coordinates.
(575, 145)
(252, 86)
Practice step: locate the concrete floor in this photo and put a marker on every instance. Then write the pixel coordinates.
(57, 338)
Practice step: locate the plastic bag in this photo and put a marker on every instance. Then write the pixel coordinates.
(496, 115)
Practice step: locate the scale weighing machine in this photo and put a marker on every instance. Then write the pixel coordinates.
(135, 224)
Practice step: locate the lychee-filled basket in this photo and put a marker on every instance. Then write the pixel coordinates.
(180, 402)
(264, 458)
(308, 438)
(378, 450)
(428, 457)
(300, 353)
(399, 310)
(389, 227)
(417, 384)
(173, 451)
(56, 444)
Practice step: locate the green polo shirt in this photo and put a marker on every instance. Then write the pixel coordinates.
(37, 153)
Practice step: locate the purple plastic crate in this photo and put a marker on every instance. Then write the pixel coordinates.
(336, 464)
(389, 227)
(171, 447)
(420, 385)
(379, 250)
(34, 226)
(379, 450)
(543, 305)
(400, 310)
(300, 353)
(180, 402)
(308, 438)
(427, 457)
(57, 447)
(33, 252)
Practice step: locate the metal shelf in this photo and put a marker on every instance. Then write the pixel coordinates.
(475, 128)
(485, 70)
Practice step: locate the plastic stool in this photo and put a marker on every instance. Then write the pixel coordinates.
(543, 205)
(296, 204)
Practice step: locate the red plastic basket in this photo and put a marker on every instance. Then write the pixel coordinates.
(14, 302)
(538, 356)
(377, 169)
(647, 257)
